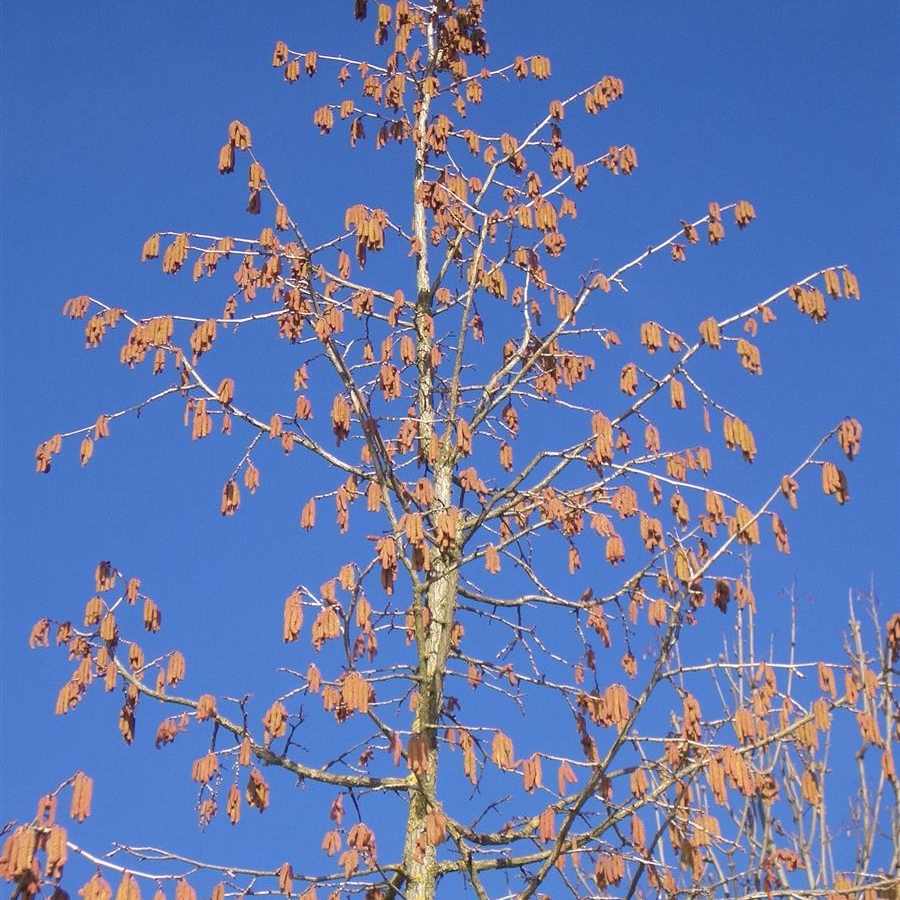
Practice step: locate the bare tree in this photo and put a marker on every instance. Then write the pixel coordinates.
(671, 775)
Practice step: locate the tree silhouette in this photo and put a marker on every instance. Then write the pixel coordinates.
(514, 650)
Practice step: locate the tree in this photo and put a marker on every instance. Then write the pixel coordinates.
(457, 377)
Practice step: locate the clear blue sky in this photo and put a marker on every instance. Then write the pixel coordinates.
(112, 116)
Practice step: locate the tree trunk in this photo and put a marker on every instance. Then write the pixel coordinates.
(433, 642)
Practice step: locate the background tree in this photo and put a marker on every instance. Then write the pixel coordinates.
(469, 404)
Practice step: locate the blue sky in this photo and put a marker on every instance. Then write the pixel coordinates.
(112, 116)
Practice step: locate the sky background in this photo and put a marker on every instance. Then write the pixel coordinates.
(112, 116)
